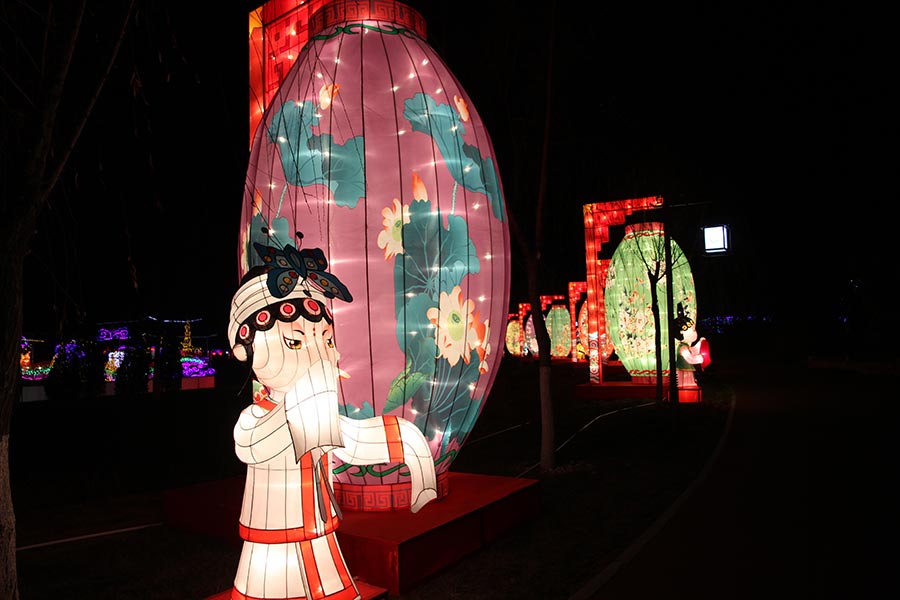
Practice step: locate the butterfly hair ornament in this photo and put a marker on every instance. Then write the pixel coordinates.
(289, 266)
(288, 284)
(682, 321)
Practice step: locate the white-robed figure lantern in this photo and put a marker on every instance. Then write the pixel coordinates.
(281, 324)
(374, 151)
(628, 297)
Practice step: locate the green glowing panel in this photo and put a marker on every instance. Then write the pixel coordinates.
(559, 326)
(629, 316)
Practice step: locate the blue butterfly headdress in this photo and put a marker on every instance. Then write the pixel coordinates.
(286, 267)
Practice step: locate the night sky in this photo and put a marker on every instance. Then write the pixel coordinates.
(770, 119)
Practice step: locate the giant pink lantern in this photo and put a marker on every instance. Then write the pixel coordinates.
(372, 151)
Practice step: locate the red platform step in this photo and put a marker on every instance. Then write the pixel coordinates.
(399, 549)
(366, 592)
(392, 550)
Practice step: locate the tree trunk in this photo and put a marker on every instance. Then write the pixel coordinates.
(29, 177)
(548, 442)
(673, 372)
(9, 583)
(10, 385)
(657, 324)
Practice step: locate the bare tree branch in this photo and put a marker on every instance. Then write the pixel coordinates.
(79, 128)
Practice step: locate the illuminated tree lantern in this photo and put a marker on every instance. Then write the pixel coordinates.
(628, 297)
(559, 327)
(515, 336)
(373, 152)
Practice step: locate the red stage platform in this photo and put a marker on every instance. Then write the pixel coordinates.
(616, 390)
(386, 551)
(366, 591)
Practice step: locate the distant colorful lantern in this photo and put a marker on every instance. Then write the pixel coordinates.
(559, 327)
(628, 297)
(515, 337)
(373, 152)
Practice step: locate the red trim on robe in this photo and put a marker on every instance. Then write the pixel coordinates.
(283, 536)
(392, 436)
(338, 559)
(265, 403)
(308, 492)
(311, 568)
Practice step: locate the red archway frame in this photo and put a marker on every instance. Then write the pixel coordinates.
(597, 219)
(279, 29)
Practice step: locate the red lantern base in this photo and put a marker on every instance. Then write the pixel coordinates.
(366, 592)
(689, 395)
(390, 496)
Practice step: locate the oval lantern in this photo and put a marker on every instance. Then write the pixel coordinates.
(629, 316)
(372, 151)
(515, 337)
(559, 328)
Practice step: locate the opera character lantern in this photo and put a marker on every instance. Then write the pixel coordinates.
(629, 313)
(281, 324)
(691, 354)
(559, 324)
(375, 152)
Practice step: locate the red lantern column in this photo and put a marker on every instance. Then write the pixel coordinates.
(576, 288)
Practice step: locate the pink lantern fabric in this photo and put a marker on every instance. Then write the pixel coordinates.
(372, 151)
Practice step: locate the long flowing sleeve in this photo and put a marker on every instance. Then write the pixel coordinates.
(385, 439)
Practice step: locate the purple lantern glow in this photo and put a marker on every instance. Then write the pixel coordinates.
(373, 152)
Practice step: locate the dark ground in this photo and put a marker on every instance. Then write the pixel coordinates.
(85, 468)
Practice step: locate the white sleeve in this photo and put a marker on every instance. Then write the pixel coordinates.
(261, 435)
(367, 442)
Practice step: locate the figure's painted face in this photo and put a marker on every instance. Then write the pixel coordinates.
(284, 354)
(689, 335)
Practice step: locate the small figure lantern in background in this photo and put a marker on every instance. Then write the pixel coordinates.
(691, 353)
(280, 324)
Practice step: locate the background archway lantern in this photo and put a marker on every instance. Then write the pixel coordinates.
(577, 299)
(628, 298)
(598, 217)
(373, 151)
